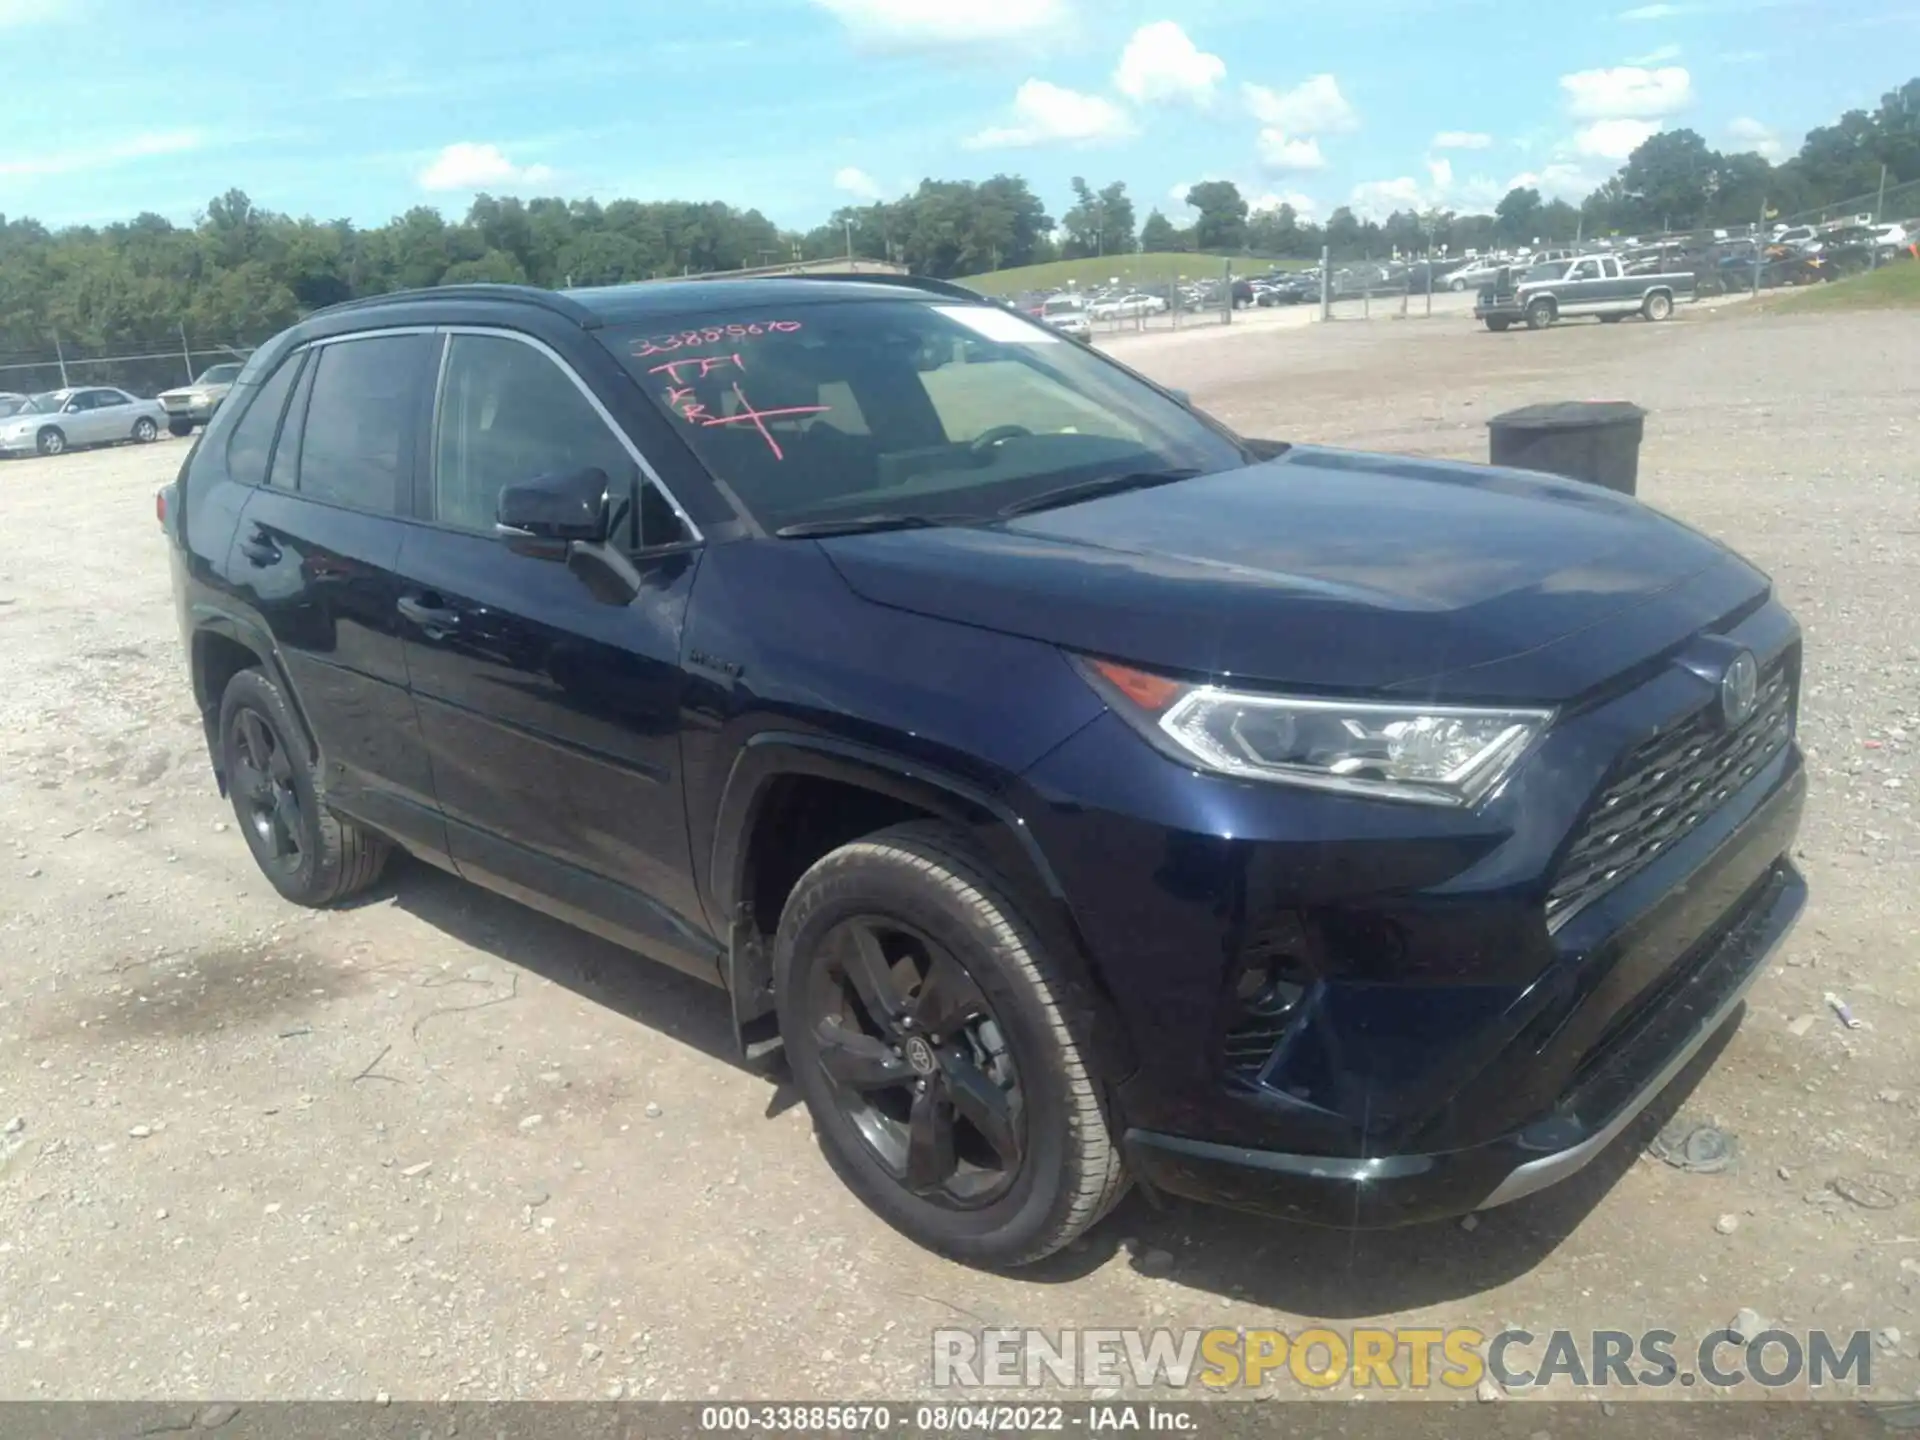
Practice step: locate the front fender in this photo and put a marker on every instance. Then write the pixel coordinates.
(995, 825)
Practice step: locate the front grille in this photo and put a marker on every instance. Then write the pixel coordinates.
(1666, 787)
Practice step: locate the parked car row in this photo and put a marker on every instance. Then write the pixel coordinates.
(62, 420)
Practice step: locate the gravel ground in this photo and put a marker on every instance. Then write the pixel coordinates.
(436, 1145)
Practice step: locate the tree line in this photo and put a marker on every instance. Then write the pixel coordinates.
(240, 273)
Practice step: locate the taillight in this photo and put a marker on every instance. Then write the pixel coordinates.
(163, 502)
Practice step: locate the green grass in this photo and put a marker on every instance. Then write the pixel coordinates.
(1895, 286)
(1128, 269)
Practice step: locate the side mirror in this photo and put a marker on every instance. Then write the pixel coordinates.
(569, 506)
(72, 407)
(1183, 397)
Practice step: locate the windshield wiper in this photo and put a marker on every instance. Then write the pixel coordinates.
(854, 525)
(1094, 489)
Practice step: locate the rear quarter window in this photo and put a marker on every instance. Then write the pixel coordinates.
(251, 441)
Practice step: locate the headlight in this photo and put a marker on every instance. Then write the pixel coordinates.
(1435, 754)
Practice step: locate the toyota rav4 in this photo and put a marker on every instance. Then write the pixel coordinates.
(1077, 791)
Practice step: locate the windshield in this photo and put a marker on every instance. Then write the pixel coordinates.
(904, 407)
(12, 405)
(218, 375)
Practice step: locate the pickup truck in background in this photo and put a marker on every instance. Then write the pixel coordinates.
(1591, 285)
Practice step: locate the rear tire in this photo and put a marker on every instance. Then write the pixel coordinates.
(51, 441)
(1457, 286)
(145, 431)
(1611, 319)
(1658, 307)
(881, 918)
(1540, 314)
(311, 855)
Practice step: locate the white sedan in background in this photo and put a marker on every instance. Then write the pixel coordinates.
(63, 420)
(1127, 307)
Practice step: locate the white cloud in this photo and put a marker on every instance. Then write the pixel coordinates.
(1558, 180)
(1461, 140)
(1161, 63)
(1313, 107)
(1051, 114)
(466, 165)
(944, 23)
(1654, 12)
(1627, 92)
(1614, 139)
(1761, 139)
(1285, 154)
(100, 157)
(1658, 56)
(1305, 206)
(30, 12)
(1441, 169)
(1377, 199)
(855, 181)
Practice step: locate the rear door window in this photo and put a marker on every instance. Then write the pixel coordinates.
(356, 447)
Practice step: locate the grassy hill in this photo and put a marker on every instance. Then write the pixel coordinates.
(1895, 286)
(1128, 269)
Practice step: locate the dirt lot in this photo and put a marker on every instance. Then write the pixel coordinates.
(436, 1145)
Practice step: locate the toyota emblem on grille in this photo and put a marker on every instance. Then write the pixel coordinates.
(1739, 687)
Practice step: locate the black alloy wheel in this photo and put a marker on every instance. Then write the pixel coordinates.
(261, 781)
(311, 855)
(944, 1053)
(918, 1063)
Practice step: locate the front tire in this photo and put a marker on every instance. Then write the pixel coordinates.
(144, 431)
(1658, 307)
(312, 856)
(180, 429)
(1457, 286)
(51, 441)
(1539, 314)
(941, 1052)
(1497, 326)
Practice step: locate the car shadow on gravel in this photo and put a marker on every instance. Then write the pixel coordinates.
(1348, 1275)
(631, 985)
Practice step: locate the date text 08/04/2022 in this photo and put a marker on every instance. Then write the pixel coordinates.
(942, 1419)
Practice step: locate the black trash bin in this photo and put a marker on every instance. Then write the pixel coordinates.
(1593, 440)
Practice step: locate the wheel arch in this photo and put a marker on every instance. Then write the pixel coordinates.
(751, 868)
(221, 646)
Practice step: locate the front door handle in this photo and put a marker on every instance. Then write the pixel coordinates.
(435, 620)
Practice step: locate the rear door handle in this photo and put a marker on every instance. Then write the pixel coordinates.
(435, 620)
(259, 548)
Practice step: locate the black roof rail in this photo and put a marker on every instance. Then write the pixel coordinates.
(508, 294)
(905, 282)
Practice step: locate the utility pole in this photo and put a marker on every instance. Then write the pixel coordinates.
(1880, 211)
(1759, 246)
(186, 352)
(849, 225)
(61, 356)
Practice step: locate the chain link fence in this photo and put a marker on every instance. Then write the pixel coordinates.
(144, 371)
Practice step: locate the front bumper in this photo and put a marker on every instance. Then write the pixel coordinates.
(1388, 1190)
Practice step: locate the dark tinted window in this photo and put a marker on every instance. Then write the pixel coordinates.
(508, 414)
(285, 474)
(252, 437)
(354, 447)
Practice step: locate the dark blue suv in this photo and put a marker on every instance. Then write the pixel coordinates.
(1079, 792)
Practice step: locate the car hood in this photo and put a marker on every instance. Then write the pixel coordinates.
(1332, 570)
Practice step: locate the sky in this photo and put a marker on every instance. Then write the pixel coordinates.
(361, 109)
